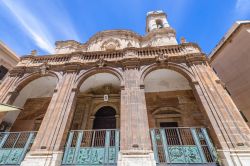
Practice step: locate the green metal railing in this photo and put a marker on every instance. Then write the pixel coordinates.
(92, 147)
(176, 146)
(14, 146)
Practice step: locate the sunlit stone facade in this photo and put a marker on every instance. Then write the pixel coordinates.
(123, 99)
(8, 60)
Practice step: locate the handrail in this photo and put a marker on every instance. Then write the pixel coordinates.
(96, 130)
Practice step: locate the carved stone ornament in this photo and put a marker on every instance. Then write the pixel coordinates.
(161, 58)
(75, 58)
(44, 68)
(129, 44)
(111, 44)
(101, 62)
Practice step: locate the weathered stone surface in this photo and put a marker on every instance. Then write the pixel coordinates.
(203, 102)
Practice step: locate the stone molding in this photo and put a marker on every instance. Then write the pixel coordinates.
(184, 53)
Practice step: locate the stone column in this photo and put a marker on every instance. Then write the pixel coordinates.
(229, 127)
(47, 148)
(135, 138)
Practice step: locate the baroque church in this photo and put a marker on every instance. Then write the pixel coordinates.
(121, 99)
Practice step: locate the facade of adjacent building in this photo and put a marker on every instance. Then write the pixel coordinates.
(121, 99)
(8, 60)
(230, 60)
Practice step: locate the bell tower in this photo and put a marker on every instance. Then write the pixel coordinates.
(158, 31)
(156, 20)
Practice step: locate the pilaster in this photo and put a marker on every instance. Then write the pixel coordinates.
(229, 127)
(7, 89)
(7, 92)
(135, 139)
(52, 134)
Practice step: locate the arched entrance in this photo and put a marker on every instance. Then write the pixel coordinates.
(167, 91)
(105, 118)
(177, 121)
(98, 103)
(95, 121)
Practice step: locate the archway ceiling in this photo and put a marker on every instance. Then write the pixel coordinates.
(101, 83)
(41, 87)
(163, 80)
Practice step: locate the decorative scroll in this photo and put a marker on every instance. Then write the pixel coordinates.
(87, 156)
(92, 148)
(69, 156)
(184, 154)
(182, 146)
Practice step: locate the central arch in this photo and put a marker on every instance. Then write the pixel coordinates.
(105, 118)
(98, 101)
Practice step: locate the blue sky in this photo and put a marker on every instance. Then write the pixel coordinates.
(36, 24)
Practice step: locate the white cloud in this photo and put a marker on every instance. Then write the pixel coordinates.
(31, 25)
(243, 7)
(43, 22)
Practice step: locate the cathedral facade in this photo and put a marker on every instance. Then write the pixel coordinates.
(121, 99)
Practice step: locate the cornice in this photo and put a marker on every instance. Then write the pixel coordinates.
(9, 52)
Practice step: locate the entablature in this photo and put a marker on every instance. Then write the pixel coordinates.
(183, 53)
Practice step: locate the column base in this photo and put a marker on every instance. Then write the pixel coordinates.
(234, 157)
(43, 159)
(136, 158)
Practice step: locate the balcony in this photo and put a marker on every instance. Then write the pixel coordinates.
(92, 147)
(171, 146)
(183, 146)
(14, 146)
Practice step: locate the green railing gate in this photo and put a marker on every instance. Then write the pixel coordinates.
(14, 146)
(92, 147)
(177, 146)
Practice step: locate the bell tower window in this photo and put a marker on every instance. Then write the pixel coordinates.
(159, 24)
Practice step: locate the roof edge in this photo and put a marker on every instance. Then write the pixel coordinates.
(9, 51)
(229, 34)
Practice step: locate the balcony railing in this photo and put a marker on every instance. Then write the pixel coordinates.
(92, 147)
(178, 146)
(14, 146)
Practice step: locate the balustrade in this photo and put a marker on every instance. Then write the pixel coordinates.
(113, 55)
(14, 146)
(177, 146)
(92, 147)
